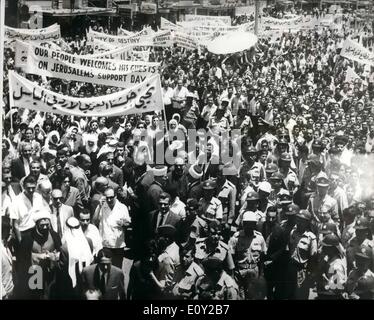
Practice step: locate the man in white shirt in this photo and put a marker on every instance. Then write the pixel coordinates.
(90, 231)
(112, 217)
(179, 97)
(25, 205)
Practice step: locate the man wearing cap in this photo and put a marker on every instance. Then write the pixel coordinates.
(215, 284)
(303, 253)
(321, 199)
(360, 282)
(168, 259)
(194, 185)
(251, 204)
(276, 181)
(210, 208)
(248, 248)
(214, 246)
(360, 241)
(349, 220)
(38, 248)
(250, 163)
(192, 227)
(187, 274)
(104, 277)
(332, 275)
(226, 193)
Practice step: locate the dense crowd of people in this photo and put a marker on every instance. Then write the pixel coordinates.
(292, 219)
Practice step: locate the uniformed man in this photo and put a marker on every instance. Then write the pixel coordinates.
(194, 186)
(189, 272)
(360, 283)
(248, 248)
(321, 199)
(303, 252)
(226, 193)
(251, 204)
(270, 168)
(284, 200)
(193, 227)
(169, 258)
(214, 246)
(290, 180)
(216, 284)
(250, 163)
(276, 185)
(332, 276)
(210, 208)
(361, 240)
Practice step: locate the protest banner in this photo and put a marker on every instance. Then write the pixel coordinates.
(124, 32)
(107, 51)
(185, 41)
(143, 97)
(356, 52)
(58, 64)
(50, 33)
(168, 25)
(209, 20)
(146, 37)
(351, 75)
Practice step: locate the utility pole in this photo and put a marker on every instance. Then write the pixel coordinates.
(257, 10)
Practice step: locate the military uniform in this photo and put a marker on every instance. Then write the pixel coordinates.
(184, 288)
(247, 253)
(221, 252)
(291, 176)
(167, 263)
(212, 209)
(316, 204)
(227, 196)
(354, 247)
(225, 289)
(354, 278)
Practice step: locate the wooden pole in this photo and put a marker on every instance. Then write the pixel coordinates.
(257, 10)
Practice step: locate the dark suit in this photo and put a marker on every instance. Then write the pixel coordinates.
(17, 168)
(114, 286)
(117, 176)
(72, 198)
(172, 219)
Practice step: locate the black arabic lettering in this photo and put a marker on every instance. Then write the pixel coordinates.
(142, 99)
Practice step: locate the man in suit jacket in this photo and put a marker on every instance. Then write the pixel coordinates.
(117, 173)
(163, 216)
(104, 277)
(59, 212)
(20, 166)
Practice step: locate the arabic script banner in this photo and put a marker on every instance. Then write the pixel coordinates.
(354, 51)
(141, 98)
(50, 33)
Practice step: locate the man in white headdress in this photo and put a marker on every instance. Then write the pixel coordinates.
(76, 253)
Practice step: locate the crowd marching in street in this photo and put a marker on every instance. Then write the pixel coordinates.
(87, 206)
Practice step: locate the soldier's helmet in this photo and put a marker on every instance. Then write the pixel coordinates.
(285, 157)
(292, 209)
(365, 253)
(212, 264)
(304, 214)
(329, 227)
(330, 240)
(252, 196)
(362, 223)
(209, 185)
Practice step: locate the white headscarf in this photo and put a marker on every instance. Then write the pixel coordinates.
(78, 248)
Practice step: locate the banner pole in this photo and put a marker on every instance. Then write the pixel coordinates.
(2, 27)
(163, 111)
